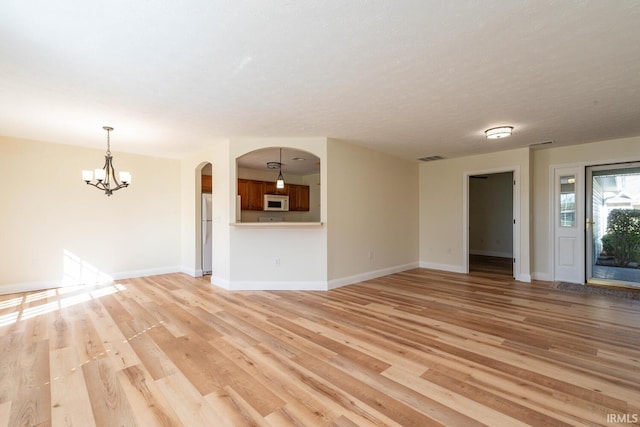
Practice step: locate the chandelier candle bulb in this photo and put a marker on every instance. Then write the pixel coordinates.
(99, 174)
(125, 177)
(87, 175)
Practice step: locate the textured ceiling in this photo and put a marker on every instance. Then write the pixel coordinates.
(412, 78)
(293, 161)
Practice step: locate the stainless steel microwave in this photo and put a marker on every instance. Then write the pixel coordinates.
(275, 202)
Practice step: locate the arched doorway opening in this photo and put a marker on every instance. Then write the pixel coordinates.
(204, 219)
(278, 184)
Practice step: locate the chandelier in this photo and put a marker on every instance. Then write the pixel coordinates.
(105, 178)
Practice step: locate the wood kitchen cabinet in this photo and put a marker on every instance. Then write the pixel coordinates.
(252, 194)
(207, 185)
(270, 188)
(298, 197)
(303, 198)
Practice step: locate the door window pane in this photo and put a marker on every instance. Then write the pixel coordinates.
(568, 201)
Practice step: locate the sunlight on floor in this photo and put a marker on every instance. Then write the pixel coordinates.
(79, 296)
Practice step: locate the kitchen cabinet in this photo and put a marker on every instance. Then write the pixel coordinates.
(298, 197)
(303, 198)
(252, 194)
(270, 188)
(207, 185)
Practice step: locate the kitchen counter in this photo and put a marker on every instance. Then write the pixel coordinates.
(276, 224)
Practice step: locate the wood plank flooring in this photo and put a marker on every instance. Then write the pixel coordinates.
(483, 264)
(419, 348)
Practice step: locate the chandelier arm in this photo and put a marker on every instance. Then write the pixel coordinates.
(111, 171)
(94, 185)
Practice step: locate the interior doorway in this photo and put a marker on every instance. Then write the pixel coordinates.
(206, 220)
(491, 223)
(613, 224)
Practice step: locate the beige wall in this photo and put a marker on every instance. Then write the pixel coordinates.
(372, 213)
(380, 214)
(55, 227)
(604, 152)
(443, 184)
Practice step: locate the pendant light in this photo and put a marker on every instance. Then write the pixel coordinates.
(280, 180)
(105, 178)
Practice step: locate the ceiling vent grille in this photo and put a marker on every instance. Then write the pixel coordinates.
(430, 158)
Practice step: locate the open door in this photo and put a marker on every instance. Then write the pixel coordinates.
(613, 224)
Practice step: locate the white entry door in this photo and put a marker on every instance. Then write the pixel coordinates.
(568, 225)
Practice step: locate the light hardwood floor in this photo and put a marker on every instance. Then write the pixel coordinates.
(489, 265)
(417, 348)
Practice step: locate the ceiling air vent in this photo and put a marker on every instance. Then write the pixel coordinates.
(430, 158)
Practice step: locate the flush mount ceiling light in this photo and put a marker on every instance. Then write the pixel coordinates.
(499, 132)
(105, 178)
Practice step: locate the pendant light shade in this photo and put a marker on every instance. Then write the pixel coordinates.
(280, 179)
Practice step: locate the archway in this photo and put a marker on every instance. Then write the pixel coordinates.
(258, 172)
(204, 216)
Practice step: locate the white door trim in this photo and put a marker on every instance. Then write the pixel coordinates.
(517, 271)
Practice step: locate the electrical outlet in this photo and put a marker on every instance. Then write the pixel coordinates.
(370, 255)
(277, 261)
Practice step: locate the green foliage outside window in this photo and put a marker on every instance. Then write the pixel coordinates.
(622, 240)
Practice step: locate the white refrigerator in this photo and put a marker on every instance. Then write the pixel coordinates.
(207, 230)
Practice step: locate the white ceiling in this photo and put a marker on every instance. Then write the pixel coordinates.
(294, 161)
(412, 78)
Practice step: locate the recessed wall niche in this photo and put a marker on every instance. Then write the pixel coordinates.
(257, 173)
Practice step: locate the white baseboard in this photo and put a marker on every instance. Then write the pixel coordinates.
(443, 267)
(307, 285)
(357, 278)
(147, 272)
(220, 282)
(277, 286)
(15, 288)
(191, 271)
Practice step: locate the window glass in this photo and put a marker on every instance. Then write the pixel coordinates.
(568, 201)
